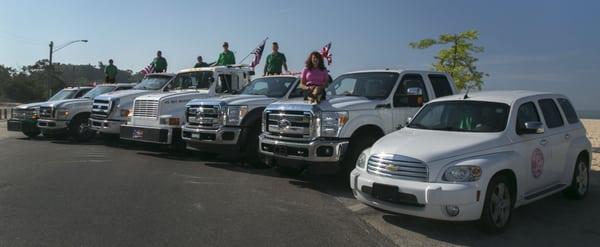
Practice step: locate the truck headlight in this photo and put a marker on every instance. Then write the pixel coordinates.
(235, 114)
(330, 123)
(172, 121)
(462, 174)
(62, 113)
(361, 162)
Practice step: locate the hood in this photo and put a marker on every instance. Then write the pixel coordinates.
(29, 106)
(240, 99)
(122, 93)
(433, 145)
(171, 94)
(337, 103)
(67, 102)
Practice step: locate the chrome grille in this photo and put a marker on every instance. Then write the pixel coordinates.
(289, 124)
(101, 108)
(400, 167)
(23, 113)
(204, 116)
(46, 112)
(145, 108)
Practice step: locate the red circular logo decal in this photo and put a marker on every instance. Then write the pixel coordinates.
(537, 163)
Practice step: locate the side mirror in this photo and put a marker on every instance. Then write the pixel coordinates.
(408, 120)
(251, 72)
(531, 128)
(211, 79)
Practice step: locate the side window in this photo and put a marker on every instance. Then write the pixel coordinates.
(228, 83)
(527, 113)
(551, 113)
(404, 98)
(568, 110)
(81, 92)
(441, 85)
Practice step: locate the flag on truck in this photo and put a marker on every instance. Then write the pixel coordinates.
(149, 69)
(258, 53)
(326, 54)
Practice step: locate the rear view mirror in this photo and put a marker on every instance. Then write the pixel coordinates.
(531, 128)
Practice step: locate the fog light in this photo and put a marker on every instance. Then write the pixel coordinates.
(452, 210)
(228, 135)
(325, 151)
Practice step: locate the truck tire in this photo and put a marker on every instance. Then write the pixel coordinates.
(79, 129)
(32, 134)
(580, 182)
(251, 152)
(358, 144)
(498, 205)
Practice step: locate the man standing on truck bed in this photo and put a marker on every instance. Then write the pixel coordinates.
(226, 57)
(275, 61)
(200, 63)
(159, 63)
(110, 72)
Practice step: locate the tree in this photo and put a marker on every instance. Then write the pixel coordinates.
(457, 60)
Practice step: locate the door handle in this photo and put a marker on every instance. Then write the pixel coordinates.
(543, 142)
(567, 136)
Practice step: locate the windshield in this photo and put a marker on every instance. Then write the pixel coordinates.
(269, 86)
(467, 116)
(64, 94)
(98, 90)
(372, 85)
(152, 82)
(192, 80)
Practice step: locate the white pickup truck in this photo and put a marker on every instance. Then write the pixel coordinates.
(477, 157)
(110, 110)
(157, 118)
(231, 123)
(71, 116)
(360, 108)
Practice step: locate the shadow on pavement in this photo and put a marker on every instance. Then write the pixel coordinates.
(552, 221)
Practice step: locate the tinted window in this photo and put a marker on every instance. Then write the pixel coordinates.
(551, 113)
(527, 113)
(568, 110)
(371, 85)
(441, 85)
(82, 92)
(402, 98)
(466, 116)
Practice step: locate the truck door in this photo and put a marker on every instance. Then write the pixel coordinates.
(409, 96)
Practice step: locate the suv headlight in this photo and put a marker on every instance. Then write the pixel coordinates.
(462, 174)
(62, 113)
(361, 162)
(235, 114)
(330, 123)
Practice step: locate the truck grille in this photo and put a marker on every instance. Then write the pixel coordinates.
(101, 108)
(397, 167)
(23, 113)
(204, 116)
(46, 112)
(289, 124)
(145, 108)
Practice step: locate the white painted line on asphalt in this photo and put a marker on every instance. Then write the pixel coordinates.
(206, 183)
(356, 207)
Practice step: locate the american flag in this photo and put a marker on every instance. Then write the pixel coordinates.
(258, 54)
(325, 53)
(149, 69)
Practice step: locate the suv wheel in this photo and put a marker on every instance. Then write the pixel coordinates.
(32, 134)
(80, 131)
(497, 207)
(580, 181)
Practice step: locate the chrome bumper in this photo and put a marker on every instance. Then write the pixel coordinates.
(108, 126)
(313, 151)
(211, 136)
(50, 124)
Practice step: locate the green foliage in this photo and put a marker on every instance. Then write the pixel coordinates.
(457, 60)
(30, 83)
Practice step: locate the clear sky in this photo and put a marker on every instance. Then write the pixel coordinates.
(540, 45)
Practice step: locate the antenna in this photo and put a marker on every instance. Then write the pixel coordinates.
(467, 93)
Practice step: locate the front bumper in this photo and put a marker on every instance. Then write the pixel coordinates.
(313, 151)
(422, 199)
(222, 140)
(158, 135)
(52, 125)
(106, 126)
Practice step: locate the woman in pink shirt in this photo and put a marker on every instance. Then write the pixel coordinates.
(315, 77)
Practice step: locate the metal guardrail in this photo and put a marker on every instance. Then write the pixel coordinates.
(5, 112)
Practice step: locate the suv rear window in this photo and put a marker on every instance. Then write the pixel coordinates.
(551, 113)
(568, 110)
(441, 85)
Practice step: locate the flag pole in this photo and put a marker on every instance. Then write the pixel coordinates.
(264, 40)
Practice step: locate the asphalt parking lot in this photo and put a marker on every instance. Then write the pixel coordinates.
(58, 193)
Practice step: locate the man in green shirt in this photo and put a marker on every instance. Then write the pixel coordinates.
(200, 63)
(159, 63)
(111, 72)
(274, 62)
(226, 57)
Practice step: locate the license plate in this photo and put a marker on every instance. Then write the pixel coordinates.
(196, 135)
(385, 192)
(138, 133)
(281, 150)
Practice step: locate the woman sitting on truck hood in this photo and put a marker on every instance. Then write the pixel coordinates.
(314, 77)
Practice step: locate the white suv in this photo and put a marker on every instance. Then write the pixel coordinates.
(477, 157)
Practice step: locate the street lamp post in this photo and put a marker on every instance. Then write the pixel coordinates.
(52, 50)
